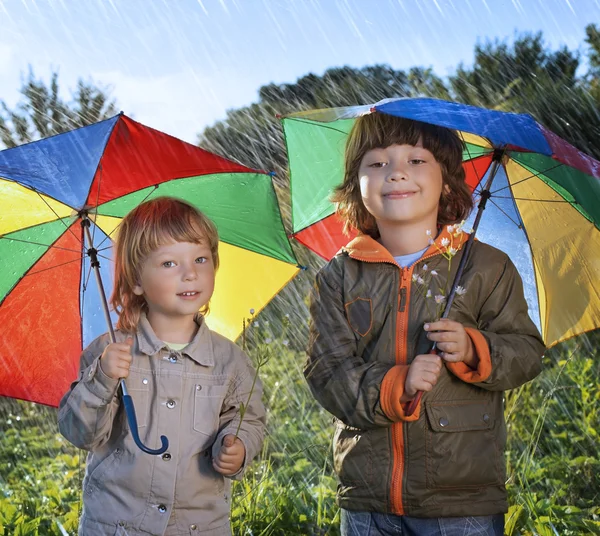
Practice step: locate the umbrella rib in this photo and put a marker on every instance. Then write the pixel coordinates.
(533, 200)
(51, 267)
(533, 176)
(116, 227)
(68, 227)
(323, 125)
(97, 198)
(38, 244)
(519, 226)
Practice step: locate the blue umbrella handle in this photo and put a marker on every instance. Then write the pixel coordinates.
(127, 401)
(132, 420)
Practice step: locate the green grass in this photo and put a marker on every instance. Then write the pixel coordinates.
(553, 457)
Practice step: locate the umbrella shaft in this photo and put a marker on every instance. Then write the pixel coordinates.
(93, 254)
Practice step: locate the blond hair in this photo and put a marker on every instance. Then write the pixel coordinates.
(377, 130)
(147, 227)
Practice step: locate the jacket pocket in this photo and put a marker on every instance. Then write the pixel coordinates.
(96, 478)
(352, 455)
(461, 446)
(208, 401)
(359, 313)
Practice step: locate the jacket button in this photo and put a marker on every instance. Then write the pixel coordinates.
(145, 381)
(166, 457)
(193, 527)
(443, 421)
(486, 417)
(171, 404)
(198, 388)
(173, 358)
(162, 508)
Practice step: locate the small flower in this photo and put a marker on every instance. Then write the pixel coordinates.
(286, 342)
(268, 340)
(428, 232)
(414, 278)
(460, 290)
(439, 298)
(251, 311)
(287, 315)
(452, 251)
(450, 228)
(425, 268)
(434, 272)
(256, 324)
(445, 242)
(431, 242)
(420, 280)
(428, 295)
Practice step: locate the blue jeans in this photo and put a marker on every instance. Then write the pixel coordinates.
(376, 524)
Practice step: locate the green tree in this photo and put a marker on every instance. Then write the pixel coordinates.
(42, 112)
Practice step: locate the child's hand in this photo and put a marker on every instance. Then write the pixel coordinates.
(116, 359)
(453, 341)
(231, 456)
(423, 374)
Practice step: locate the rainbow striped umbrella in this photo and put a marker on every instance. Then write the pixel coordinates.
(544, 206)
(49, 306)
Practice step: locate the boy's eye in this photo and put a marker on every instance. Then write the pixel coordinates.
(377, 164)
(168, 264)
(201, 260)
(416, 161)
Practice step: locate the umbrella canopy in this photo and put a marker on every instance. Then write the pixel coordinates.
(545, 212)
(49, 306)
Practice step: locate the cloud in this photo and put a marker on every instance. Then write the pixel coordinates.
(180, 104)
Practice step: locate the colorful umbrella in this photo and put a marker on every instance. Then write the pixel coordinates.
(49, 309)
(543, 205)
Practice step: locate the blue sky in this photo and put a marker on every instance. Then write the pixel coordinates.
(178, 65)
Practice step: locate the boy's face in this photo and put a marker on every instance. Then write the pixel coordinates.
(177, 280)
(401, 184)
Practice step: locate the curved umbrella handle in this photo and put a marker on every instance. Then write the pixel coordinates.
(132, 420)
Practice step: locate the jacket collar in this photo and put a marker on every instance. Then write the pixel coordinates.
(366, 248)
(199, 349)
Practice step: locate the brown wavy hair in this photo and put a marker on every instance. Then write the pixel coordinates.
(147, 227)
(377, 130)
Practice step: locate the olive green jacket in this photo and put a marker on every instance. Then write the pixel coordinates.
(367, 317)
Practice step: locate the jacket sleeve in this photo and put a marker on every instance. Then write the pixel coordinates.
(246, 389)
(508, 344)
(86, 412)
(342, 382)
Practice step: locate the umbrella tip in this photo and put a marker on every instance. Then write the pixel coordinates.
(303, 268)
(271, 174)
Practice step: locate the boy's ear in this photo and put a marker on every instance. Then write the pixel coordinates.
(446, 189)
(138, 290)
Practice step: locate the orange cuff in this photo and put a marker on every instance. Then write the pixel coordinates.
(484, 366)
(392, 389)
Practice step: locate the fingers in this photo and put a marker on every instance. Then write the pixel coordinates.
(443, 324)
(116, 359)
(430, 362)
(230, 457)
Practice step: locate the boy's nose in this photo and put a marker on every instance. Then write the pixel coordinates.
(190, 274)
(396, 174)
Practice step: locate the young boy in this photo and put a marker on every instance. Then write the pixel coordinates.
(441, 470)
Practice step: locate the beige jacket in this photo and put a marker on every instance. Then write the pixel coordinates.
(191, 396)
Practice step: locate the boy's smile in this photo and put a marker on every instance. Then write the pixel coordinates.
(401, 184)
